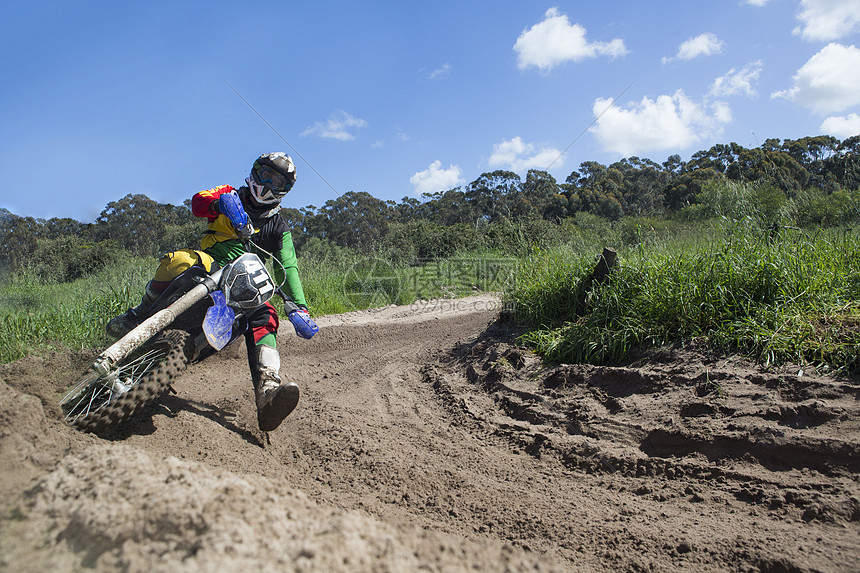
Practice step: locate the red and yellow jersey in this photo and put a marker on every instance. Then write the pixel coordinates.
(203, 204)
(221, 240)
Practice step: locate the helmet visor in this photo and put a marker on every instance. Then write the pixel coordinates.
(268, 177)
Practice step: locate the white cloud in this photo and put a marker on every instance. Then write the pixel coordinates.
(842, 127)
(434, 178)
(520, 156)
(758, 2)
(701, 45)
(738, 82)
(670, 122)
(338, 126)
(828, 82)
(442, 72)
(826, 20)
(555, 40)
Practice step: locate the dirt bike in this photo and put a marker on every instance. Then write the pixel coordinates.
(198, 315)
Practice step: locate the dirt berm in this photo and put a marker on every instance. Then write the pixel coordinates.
(426, 440)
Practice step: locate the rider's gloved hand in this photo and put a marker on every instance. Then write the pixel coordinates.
(246, 231)
(303, 323)
(230, 205)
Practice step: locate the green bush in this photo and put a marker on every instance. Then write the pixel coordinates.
(69, 258)
(736, 200)
(420, 240)
(645, 230)
(769, 205)
(813, 207)
(322, 251)
(521, 237)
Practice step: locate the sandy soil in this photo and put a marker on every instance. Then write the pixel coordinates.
(426, 440)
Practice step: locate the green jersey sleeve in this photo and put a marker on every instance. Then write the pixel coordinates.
(287, 272)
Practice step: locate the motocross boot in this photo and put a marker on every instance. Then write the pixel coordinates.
(121, 325)
(275, 399)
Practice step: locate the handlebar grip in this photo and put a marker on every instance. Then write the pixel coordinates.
(304, 325)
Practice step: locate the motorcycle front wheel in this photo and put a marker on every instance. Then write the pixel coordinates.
(99, 402)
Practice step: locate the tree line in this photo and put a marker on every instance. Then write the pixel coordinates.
(629, 187)
(440, 223)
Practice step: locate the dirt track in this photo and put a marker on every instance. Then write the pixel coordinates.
(424, 441)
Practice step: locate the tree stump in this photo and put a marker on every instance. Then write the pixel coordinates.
(606, 261)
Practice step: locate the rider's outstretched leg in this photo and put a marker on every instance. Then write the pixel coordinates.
(275, 398)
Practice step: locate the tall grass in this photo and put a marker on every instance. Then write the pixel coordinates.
(38, 314)
(35, 314)
(775, 296)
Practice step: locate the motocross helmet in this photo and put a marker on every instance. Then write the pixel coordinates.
(271, 178)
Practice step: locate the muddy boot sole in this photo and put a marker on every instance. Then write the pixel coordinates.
(277, 406)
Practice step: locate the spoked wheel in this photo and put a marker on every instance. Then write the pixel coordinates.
(98, 402)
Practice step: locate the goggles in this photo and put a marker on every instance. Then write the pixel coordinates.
(265, 175)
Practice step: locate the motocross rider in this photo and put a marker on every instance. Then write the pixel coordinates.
(250, 213)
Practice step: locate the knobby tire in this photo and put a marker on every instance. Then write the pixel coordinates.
(170, 357)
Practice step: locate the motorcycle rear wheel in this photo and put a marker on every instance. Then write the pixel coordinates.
(99, 402)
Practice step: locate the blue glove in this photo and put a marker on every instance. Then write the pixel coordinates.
(230, 205)
(304, 325)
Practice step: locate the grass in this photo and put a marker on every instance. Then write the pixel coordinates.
(37, 315)
(789, 297)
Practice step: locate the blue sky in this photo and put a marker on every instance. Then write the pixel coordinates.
(103, 99)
